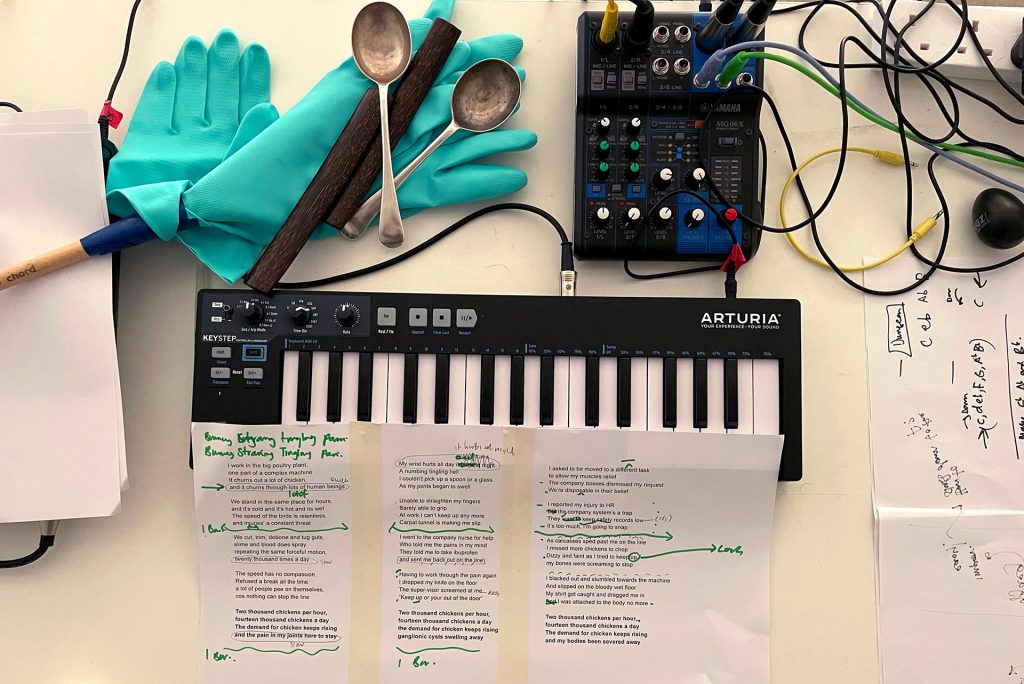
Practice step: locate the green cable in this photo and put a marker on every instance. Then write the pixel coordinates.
(740, 59)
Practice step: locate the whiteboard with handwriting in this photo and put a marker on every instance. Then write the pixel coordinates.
(946, 375)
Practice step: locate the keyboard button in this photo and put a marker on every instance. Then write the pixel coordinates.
(387, 316)
(395, 388)
(700, 393)
(318, 389)
(487, 389)
(745, 396)
(655, 419)
(441, 384)
(592, 403)
(379, 405)
(220, 352)
(576, 399)
(716, 396)
(441, 318)
(547, 390)
(465, 318)
(364, 409)
(220, 373)
(334, 370)
(767, 397)
(623, 393)
(531, 390)
(410, 382)
(731, 389)
(349, 386)
(685, 381)
(427, 368)
(517, 389)
(252, 373)
(417, 318)
(457, 388)
(669, 414)
(638, 389)
(303, 386)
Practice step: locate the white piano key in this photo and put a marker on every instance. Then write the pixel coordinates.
(425, 370)
(502, 389)
(745, 396)
(638, 390)
(655, 405)
(349, 386)
(607, 392)
(457, 389)
(396, 387)
(716, 396)
(766, 396)
(318, 389)
(531, 391)
(379, 399)
(684, 395)
(563, 384)
(472, 389)
(577, 391)
(289, 386)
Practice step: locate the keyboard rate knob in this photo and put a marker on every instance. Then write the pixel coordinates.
(663, 219)
(663, 178)
(694, 217)
(300, 314)
(601, 215)
(251, 312)
(347, 315)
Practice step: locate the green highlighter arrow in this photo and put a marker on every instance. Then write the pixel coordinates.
(215, 488)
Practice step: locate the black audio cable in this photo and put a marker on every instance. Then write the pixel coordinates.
(109, 114)
(48, 533)
(640, 27)
(10, 105)
(567, 268)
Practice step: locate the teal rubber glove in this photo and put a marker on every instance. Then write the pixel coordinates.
(240, 205)
(194, 114)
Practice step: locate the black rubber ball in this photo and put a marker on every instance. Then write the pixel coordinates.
(998, 218)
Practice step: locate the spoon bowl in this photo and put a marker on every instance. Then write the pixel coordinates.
(486, 95)
(381, 43)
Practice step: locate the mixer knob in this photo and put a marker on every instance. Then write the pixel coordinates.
(727, 218)
(347, 315)
(603, 147)
(603, 169)
(633, 170)
(604, 125)
(635, 125)
(634, 148)
(663, 178)
(300, 314)
(663, 217)
(696, 177)
(693, 218)
(602, 215)
(631, 216)
(251, 312)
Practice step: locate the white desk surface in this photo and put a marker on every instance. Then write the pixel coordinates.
(116, 599)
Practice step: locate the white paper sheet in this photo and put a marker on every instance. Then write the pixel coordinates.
(946, 369)
(63, 455)
(490, 555)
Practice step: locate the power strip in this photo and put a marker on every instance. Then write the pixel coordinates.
(998, 29)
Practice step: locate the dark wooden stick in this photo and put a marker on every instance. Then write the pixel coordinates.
(414, 88)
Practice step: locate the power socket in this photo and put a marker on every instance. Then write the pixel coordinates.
(998, 30)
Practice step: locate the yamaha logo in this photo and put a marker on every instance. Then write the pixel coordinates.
(745, 320)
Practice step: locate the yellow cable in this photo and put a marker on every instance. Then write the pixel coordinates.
(610, 23)
(885, 156)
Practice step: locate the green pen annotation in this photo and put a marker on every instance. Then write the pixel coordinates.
(635, 556)
(300, 447)
(417, 530)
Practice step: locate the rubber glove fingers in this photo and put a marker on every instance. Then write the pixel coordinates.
(477, 146)
(154, 112)
(255, 121)
(474, 182)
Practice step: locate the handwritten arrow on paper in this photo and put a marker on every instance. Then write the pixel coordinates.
(978, 281)
(215, 488)
(394, 528)
(635, 556)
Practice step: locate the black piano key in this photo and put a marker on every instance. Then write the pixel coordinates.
(668, 393)
(305, 386)
(700, 393)
(441, 380)
(623, 391)
(732, 390)
(547, 390)
(487, 389)
(517, 391)
(334, 387)
(365, 403)
(409, 389)
(592, 390)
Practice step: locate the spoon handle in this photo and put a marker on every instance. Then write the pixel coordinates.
(391, 232)
(361, 219)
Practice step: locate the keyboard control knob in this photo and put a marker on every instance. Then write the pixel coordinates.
(300, 314)
(663, 218)
(693, 218)
(602, 215)
(604, 125)
(663, 178)
(251, 312)
(631, 216)
(347, 315)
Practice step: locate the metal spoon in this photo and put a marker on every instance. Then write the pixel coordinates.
(483, 99)
(381, 47)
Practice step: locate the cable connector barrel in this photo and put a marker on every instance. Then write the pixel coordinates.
(712, 67)
(567, 284)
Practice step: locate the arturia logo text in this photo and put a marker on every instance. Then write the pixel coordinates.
(743, 320)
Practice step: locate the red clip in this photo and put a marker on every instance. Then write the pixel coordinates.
(735, 258)
(113, 116)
